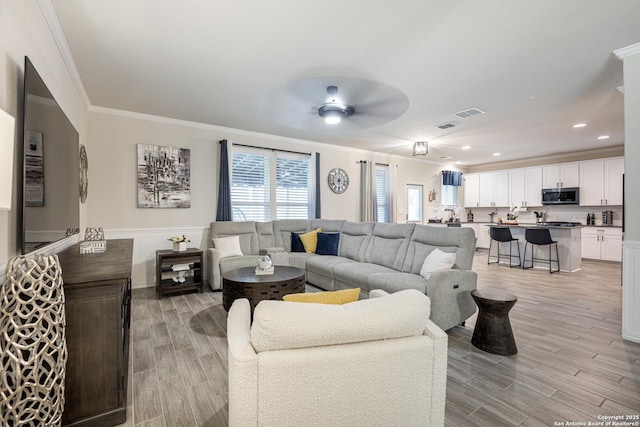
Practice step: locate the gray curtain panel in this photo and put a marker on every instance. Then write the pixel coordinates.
(368, 202)
(224, 212)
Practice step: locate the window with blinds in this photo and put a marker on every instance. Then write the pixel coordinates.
(250, 187)
(268, 185)
(383, 194)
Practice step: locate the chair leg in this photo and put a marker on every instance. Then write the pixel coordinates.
(519, 259)
(557, 257)
(489, 255)
(524, 258)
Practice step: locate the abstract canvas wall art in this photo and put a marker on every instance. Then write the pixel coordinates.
(164, 177)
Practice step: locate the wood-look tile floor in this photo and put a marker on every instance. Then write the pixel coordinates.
(572, 364)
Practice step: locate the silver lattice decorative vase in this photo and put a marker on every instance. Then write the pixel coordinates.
(33, 349)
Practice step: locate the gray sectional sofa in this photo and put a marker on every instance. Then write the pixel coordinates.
(370, 256)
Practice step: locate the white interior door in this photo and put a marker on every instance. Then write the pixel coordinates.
(414, 203)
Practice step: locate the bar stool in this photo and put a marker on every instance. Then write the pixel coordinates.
(540, 237)
(503, 235)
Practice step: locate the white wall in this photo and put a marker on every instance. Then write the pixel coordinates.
(631, 244)
(112, 196)
(24, 32)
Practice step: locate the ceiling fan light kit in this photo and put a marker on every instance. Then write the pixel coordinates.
(333, 113)
(420, 148)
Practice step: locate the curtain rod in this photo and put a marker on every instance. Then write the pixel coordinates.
(378, 164)
(270, 149)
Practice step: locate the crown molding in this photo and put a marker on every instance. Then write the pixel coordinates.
(627, 51)
(312, 145)
(50, 15)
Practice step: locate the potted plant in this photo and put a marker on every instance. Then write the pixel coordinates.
(179, 243)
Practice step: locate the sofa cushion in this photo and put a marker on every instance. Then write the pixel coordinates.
(354, 239)
(328, 243)
(335, 297)
(329, 225)
(426, 238)
(437, 260)
(356, 275)
(279, 325)
(283, 228)
(245, 229)
(296, 243)
(389, 244)
(397, 281)
(228, 246)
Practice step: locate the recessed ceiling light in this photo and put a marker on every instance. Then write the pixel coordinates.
(466, 147)
(497, 154)
(458, 162)
(579, 125)
(603, 137)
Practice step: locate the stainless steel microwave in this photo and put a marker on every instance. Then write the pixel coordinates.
(561, 196)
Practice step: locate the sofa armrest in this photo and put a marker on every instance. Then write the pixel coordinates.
(450, 294)
(243, 366)
(440, 349)
(213, 268)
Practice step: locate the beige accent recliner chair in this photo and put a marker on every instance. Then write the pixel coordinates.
(374, 362)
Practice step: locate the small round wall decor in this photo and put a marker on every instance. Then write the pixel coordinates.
(338, 180)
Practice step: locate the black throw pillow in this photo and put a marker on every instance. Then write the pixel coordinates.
(328, 243)
(296, 243)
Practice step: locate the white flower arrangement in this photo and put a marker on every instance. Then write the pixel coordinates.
(513, 213)
(179, 239)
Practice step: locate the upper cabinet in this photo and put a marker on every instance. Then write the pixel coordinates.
(601, 182)
(471, 190)
(561, 175)
(525, 187)
(494, 189)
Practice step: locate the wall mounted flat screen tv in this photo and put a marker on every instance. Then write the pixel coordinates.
(50, 195)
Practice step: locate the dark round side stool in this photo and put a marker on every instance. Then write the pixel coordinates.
(493, 332)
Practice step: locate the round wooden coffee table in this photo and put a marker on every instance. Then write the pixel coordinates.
(244, 283)
(493, 332)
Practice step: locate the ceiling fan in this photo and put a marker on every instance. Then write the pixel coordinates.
(311, 104)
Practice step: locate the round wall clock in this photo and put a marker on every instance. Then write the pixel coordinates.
(338, 180)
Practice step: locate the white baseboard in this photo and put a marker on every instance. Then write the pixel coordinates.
(631, 291)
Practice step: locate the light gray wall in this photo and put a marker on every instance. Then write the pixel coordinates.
(112, 195)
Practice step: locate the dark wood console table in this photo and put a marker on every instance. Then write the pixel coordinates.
(98, 310)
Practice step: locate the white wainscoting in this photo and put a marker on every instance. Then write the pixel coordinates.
(631, 290)
(145, 243)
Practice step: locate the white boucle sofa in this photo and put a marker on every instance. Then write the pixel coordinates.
(370, 256)
(375, 362)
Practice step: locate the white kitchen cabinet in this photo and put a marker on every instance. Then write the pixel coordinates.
(561, 175)
(471, 190)
(613, 171)
(483, 237)
(525, 187)
(494, 189)
(601, 182)
(602, 243)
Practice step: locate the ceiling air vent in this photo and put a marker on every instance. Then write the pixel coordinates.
(445, 126)
(468, 113)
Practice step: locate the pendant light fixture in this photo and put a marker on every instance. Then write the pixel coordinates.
(420, 148)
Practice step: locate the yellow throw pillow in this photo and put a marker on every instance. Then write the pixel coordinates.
(310, 240)
(335, 297)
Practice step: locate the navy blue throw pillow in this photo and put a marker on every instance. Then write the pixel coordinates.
(328, 243)
(296, 243)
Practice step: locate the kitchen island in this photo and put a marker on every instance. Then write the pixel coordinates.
(569, 240)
